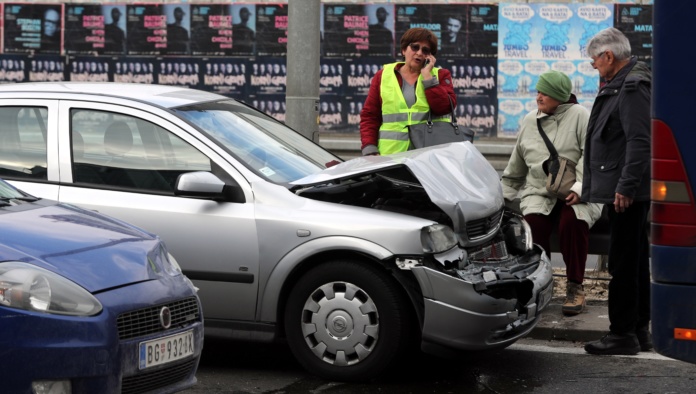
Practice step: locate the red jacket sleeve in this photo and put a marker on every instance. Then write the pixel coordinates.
(437, 95)
(371, 114)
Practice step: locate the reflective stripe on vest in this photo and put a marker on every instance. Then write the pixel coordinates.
(396, 115)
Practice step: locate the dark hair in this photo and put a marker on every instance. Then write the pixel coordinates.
(419, 34)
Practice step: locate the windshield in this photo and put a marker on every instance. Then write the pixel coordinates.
(8, 191)
(262, 144)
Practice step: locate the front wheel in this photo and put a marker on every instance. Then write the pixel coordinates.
(347, 321)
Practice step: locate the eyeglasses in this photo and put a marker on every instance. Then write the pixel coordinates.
(592, 62)
(416, 47)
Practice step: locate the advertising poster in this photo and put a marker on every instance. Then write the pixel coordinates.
(472, 77)
(13, 68)
(46, 68)
(331, 77)
(135, 70)
(331, 117)
(147, 29)
(353, 106)
(271, 30)
(359, 72)
(549, 31)
(226, 76)
(32, 28)
(351, 30)
(114, 29)
(510, 115)
(182, 71)
(211, 30)
(478, 114)
(178, 28)
(482, 30)
(635, 21)
(450, 20)
(415, 15)
(268, 76)
(271, 104)
(90, 69)
(244, 29)
(84, 29)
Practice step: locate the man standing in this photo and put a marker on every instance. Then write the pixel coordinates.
(617, 173)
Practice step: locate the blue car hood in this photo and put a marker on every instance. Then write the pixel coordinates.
(92, 250)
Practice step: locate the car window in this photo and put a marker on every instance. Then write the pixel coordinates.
(264, 145)
(127, 152)
(23, 142)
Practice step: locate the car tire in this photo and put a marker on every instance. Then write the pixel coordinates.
(347, 321)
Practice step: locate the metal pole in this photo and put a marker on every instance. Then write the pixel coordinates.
(302, 84)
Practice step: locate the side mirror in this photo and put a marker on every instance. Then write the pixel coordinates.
(203, 184)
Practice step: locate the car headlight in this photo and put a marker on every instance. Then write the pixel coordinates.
(437, 238)
(28, 287)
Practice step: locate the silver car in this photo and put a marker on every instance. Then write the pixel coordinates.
(348, 261)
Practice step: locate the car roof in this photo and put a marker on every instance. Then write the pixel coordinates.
(162, 95)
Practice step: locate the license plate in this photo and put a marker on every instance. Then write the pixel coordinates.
(165, 350)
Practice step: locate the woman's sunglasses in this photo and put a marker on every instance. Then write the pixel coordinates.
(416, 47)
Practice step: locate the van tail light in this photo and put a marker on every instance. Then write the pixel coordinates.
(673, 213)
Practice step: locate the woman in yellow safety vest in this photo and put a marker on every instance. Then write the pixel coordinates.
(402, 93)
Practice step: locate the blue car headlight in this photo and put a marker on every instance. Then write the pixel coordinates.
(31, 288)
(437, 238)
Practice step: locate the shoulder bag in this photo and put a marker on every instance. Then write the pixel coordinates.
(560, 172)
(436, 133)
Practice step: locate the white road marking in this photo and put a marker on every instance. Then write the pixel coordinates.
(573, 350)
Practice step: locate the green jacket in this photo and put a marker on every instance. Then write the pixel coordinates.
(524, 176)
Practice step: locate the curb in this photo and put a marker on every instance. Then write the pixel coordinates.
(590, 325)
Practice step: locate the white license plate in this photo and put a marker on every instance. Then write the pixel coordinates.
(164, 350)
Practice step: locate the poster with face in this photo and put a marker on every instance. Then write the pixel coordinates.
(147, 29)
(351, 29)
(46, 68)
(244, 29)
(226, 76)
(135, 70)
(271, 29)
(472, 76)
(331, 77)
(90, 69)
(33, 28)
(478, 113)
(13, 68)
(182, 71)
(114, 29)
(178, 28)
(451, 20)
(211, 30)
(268, 76)
(415, 15)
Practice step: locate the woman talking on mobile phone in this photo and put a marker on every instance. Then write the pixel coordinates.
(402, 93)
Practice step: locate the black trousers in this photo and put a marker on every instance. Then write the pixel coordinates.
(629, 266)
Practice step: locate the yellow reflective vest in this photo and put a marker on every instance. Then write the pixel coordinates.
(396, 115)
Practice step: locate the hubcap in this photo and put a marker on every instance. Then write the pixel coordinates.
(340, 323)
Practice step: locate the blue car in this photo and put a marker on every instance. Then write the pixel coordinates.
(89, 304)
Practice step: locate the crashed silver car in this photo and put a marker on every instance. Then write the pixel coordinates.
(349, 262)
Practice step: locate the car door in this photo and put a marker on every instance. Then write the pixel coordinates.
(29, 145)
(123, 162)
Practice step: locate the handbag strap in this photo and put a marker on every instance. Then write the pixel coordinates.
(549, 145)
(453, 119)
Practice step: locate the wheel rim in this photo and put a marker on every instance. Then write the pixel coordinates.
(340, 323)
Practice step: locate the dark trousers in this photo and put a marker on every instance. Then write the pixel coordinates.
(629, 266)
(573, 237)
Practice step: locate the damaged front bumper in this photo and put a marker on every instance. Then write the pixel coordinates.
(488, 309)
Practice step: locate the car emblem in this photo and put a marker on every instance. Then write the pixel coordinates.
(165, 317)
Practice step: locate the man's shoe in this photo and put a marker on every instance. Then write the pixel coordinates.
(575, 299)
(613, 344)
(644, 339)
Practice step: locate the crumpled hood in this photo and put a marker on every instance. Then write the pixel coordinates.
(456, 177)
(90, 249)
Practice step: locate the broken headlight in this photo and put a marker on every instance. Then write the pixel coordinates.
(437, 238)
(517, 233)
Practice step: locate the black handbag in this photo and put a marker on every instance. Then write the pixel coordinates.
(560, 171)
(436, 133)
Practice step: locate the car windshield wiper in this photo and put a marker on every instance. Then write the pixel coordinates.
(20, 198)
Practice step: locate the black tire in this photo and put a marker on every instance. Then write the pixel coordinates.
(367, 331)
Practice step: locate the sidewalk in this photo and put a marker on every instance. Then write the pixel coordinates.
(589, 325)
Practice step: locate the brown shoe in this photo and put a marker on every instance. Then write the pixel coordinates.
(575, 299)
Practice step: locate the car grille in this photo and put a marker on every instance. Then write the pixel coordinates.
(146, 321)
(479, 228)
(153, 380)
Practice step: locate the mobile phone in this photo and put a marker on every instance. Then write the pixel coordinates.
(427, 61)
